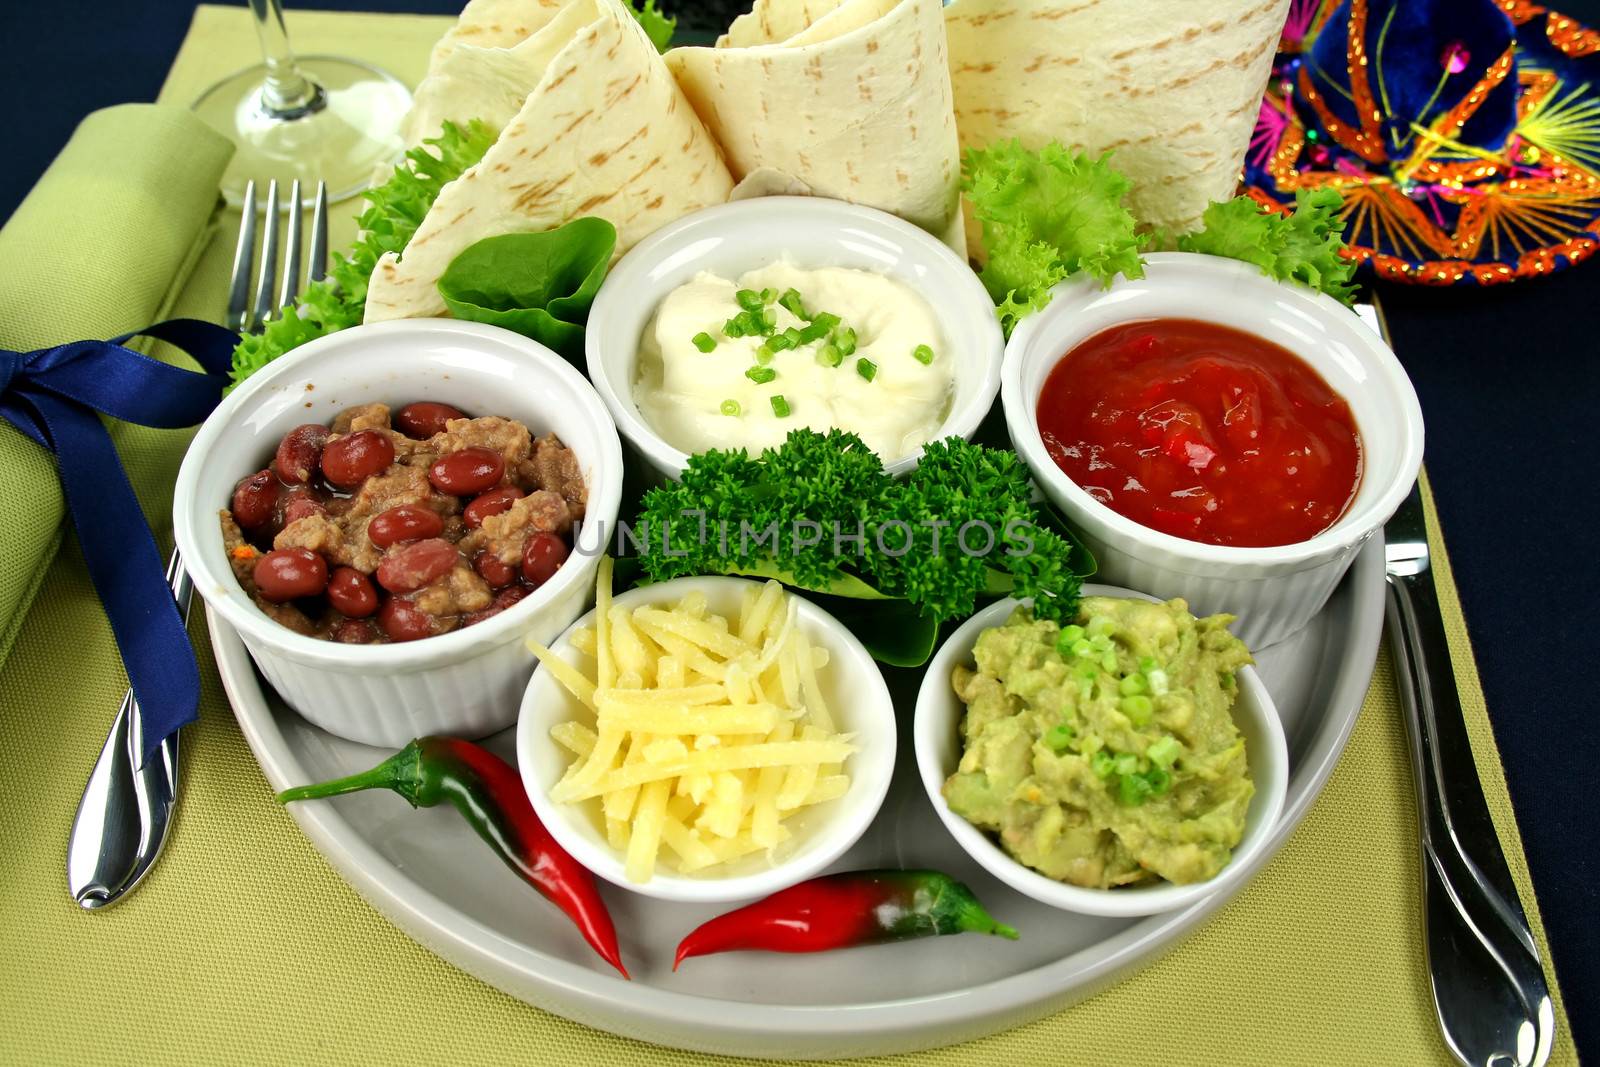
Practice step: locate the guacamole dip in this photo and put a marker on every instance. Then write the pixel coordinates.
(1103, 753)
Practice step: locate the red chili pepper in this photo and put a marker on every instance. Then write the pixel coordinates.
(487, 792)
(840, 910)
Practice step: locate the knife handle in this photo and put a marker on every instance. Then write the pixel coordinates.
(1466, 868)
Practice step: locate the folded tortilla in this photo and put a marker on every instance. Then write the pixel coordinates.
(849, 98)
(605, 132)
(1171, 87)
(485, 65)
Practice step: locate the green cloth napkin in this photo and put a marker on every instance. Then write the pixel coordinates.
(101, 246)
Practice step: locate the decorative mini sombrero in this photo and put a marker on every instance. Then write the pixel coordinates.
(1464, 134)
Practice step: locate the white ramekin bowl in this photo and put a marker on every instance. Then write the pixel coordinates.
(937, 738)
(1274, 591)
(812, 232)
(467, 682)
(856, 695)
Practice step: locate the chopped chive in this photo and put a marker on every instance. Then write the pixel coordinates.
(778, 342)
(845, 338)
(1132, 789)
(1059, 737)
(922, 354)
(748, 299)
(793, 336)
(825, 319)
(1138, 709)
(1159, 780)
(769, 321)
(761, 375)
(730, 407)
(1132, 685)
(704, 341)
(866, 368)
(1102, 764)
(768, 295)
(791, 302)
(830, 356)
(814, 331)
(763, 355)
(780, 406)
(1163, 752)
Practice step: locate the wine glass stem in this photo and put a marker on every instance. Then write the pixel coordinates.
(287, 93)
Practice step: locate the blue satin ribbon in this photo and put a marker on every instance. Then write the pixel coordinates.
(52, 395)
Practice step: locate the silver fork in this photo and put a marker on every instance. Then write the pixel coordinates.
(127, 808)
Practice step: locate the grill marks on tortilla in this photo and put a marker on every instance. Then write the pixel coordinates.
(846, 98)
(601, 133)
(1189, 80)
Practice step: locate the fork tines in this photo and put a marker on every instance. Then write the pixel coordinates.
(246, 315)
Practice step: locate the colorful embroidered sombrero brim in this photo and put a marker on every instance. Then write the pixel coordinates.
(1464, 134)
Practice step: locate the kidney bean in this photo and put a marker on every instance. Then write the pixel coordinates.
(493, 570)
(351, 593)
(254, 499)
(407, 568)
(402, 620)
(405, 522)
(504, 600)
(290, 573)
(300, 453)
(491, 503)
(349, 461)
(542, 555)
(355, 632)
(467, 472)
(300, 502)
(425, 418)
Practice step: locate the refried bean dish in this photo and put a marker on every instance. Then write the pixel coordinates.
(395, 527)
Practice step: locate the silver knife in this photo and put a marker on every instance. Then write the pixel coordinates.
(1488, 983)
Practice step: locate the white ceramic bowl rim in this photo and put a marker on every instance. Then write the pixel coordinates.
(869, 783)
(1266, 807)
(824, 213)
(242, 613)
(1366, 512)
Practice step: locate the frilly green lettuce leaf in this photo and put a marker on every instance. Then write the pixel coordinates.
(394, 211)
(657, 26)
(1047, 215)
(1303, 247)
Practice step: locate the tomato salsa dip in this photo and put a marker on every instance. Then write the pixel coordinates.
(1203, 432)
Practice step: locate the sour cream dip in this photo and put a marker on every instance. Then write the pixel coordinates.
(730, 364)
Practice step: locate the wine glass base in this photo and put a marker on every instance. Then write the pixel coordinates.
(343, 143)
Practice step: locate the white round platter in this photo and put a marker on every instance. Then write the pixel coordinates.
(430, 875)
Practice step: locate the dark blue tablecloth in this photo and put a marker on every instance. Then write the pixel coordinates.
(1510, 385)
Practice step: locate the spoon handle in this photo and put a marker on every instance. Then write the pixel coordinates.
(127, 809)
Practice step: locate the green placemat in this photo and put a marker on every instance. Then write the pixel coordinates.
(244, 946)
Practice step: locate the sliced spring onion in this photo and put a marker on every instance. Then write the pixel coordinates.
(845, 338)
(1132, 685)
(830, 356)
(730, 407)
(704, 341)
(780, 406)
(1159, 780)
(769, 320)
(1163, 752)
(1132, 789)
(1059, 737)
(749, 299)
(778, 342)
(761, 375)
(791, 302)
(866, 368)
(1102, 764)
(1138, 709)
(922, 354)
